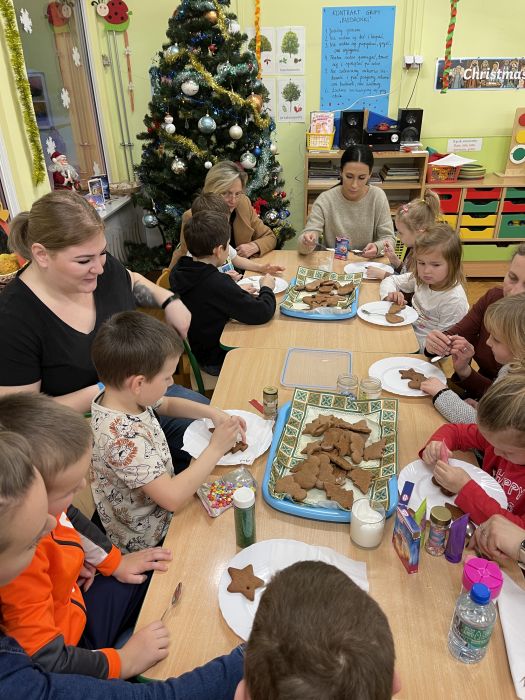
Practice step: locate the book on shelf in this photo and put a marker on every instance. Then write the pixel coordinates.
(322, 122)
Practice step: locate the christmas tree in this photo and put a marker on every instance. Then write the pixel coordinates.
(207, 106)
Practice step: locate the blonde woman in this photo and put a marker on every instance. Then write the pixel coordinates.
(505, 323)
(249, 235)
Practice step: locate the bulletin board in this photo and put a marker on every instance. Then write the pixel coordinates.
(356, 57)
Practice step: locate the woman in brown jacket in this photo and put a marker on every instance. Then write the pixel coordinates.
(250, 236)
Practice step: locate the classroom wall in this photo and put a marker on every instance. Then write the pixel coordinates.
(483, 28)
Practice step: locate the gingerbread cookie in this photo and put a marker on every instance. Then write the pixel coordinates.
(342, 496)
(346, 289)
(443, 490)
(361, 478)
(326, 476)
(318, 426)
(305, 473)
(238, 447)
(375, 450)
(312, 448)
(396, 308)
(287, 484)
(455, 511)
(415, 378)
(244, 581)
(394, 318)
(357, 448)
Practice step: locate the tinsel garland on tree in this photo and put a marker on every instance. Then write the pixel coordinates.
(207, 106)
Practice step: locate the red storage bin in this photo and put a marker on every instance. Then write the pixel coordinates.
(449, 199)
(483, 193)
(510, 205)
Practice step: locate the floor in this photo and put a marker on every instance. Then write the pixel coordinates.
(477, 286)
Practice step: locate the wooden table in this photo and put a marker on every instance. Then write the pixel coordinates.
(419, 606)
(350, 334)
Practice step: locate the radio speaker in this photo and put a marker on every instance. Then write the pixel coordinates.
(409, 124)
(351, 128)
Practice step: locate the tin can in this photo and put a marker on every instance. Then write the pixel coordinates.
(270, 402)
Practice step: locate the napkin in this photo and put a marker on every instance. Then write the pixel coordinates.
(258, 436)
(511, 604)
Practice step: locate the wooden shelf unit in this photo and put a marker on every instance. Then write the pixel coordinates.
(397, 192)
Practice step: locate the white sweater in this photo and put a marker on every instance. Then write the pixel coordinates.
(436, 310)
(365, 221)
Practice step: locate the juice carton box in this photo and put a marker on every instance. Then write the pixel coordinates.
(342, 246)
(406, 538)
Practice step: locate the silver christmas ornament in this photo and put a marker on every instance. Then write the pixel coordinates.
(171, 51)
(248, 160)
(150, 220)
(235, 132)
(189, 87)
(207, 124)
(233, 26)
(273, 149)
(169, 128)
(178, 166)
(271, 217)
(208, 164)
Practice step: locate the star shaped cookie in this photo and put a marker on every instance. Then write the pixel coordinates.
(244, 581)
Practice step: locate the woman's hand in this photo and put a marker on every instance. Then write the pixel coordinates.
(370, 251)
(498, 537)
(308, 241)
(438, 343)
(396, 298)
(270, 269)
(432, 386)
(178, 316)
(451, 478)
(246, 250)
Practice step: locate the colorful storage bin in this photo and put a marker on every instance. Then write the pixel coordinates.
(478, 220)
(483, 193)
(517, 205)
(515, 193)
(478, 206)
(512, 226)
(476, 232)
(451, 219)
(449, 199)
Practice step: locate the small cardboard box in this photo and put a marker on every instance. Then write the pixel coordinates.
(406, 539)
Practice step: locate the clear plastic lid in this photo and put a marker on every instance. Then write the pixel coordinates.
(309, 368)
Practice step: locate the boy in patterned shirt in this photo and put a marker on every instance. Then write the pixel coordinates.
(132, 476)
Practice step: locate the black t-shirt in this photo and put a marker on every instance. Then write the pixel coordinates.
(37, 345)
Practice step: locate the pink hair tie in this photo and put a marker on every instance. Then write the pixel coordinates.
(403, 208)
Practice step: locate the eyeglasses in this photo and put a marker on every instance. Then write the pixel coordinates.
(231, 195)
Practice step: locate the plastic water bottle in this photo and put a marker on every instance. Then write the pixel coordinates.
(472, 625)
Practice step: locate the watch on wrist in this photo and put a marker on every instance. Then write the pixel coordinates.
(167, 301)
(521, 555)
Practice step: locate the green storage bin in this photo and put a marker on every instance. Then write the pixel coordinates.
(474, 252)
(512, 226)
(515, 193)
(478, 206)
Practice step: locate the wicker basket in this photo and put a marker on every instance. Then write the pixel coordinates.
(319, 142)
(123, 188)
(442, 173)
(5, 279)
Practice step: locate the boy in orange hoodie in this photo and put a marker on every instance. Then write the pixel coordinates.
(58, 609)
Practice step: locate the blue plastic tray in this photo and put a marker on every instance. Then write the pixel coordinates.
(306, 511)
(327, 315)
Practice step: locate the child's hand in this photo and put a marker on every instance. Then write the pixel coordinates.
(86, 576)
(438, 343)
(376, 273)
(267, 281)
(309, 240)
(269, 269)
(451, 478)
(132, 566)
(472, 402)
(221, 417)
(251, 289)
(432, 385)
(434, 451)
(370, 251)
(236, 276)
(462, 352)
(225, 435)
(396, 297)
(389, 251)
(146, 647)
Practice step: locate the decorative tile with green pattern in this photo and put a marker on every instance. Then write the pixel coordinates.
(381, 416)
(308, 274)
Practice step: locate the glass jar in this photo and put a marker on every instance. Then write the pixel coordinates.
(370, 388)
(270, 402)
(440, 518)
(348, 385)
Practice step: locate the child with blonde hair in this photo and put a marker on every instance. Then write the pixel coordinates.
(505, 322)
(500, 435)
(412, 219)
(436, 282)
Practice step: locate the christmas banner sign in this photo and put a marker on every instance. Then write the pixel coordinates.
(482, 74)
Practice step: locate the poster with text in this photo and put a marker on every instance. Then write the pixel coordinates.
(356, 57)
(291, 99)
(483, 74)
(291, 49)
(268, 65)
(269, 84)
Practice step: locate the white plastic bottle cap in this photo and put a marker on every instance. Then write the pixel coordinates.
(243, 497)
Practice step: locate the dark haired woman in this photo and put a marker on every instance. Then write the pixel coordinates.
(352, 209)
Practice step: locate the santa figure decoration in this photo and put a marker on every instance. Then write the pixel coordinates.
(65, 177)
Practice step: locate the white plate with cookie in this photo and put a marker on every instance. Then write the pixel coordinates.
(388, 371)
(254, 281)
(375, 312)
(421, 476)
(267, 558)
(364, 266)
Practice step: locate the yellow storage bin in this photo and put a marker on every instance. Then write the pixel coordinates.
(451, 219)
(475, 232)
(483, 220)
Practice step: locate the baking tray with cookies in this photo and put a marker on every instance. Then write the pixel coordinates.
(322, 296)
(327, 450)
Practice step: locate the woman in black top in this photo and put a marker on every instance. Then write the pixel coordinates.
(51, 312)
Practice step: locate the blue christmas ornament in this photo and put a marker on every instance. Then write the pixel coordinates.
(284, 214)
(272, 125)
(206, 124)
(257, 151)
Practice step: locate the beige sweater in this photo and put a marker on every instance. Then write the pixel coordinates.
(365, 221)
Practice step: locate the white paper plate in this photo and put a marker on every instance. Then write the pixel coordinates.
(268, 557)
(421, 475)
(363, 266)
(387, 371)
(258, 436)
(381, 307)
(280, 284)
